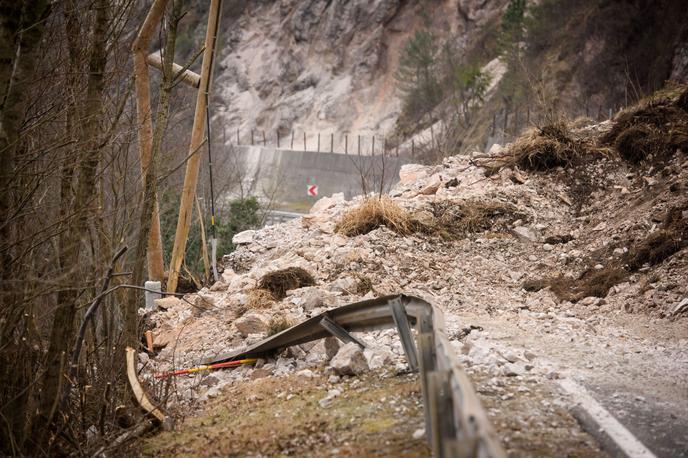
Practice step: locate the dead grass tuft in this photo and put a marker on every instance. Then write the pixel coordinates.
(653, 128)
(592, 282)
(259, 299)
(545, 148)
(373, 213)
(454, 220)
(281, 281)
(279, 324)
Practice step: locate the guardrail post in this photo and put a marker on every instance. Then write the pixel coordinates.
(401, 320)
(339, 332)
(441, 412)
(426, 344)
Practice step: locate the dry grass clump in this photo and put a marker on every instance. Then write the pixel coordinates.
(259, 299)
(281, 281)
(372, 213)
(545, 148)
(458, 219)
(279, 324)
(448, 219)
(653, 128)
(592, 282)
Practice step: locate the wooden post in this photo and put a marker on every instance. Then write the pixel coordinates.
(494, 123)
(292, 139)
(252, 137)
(237, 137)
(304, 141)
(278, 139)
(413, 148)
(264, 143)
(346, 144)
(156, 268)
(318, 141)
(194, 162)
(331, 143)
(359, 145)
(372, 151)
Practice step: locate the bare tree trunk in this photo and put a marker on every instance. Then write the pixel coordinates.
(62, 332)
(150, 177)
(21, 29)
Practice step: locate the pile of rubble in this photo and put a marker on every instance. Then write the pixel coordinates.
(565, 219)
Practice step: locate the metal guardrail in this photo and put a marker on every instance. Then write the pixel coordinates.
(277, 217)
(455, 422)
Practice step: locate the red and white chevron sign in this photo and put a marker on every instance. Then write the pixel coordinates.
(312, 190)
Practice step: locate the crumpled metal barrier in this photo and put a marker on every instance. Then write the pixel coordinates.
(455, 422)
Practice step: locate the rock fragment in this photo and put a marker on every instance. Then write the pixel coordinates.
(349, 360)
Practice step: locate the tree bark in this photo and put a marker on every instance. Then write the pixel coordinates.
(62, 332)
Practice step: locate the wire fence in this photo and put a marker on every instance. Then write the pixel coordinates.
(348, 144)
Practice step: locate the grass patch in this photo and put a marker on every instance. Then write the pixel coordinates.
(654, 128)
(592, 282)
(447, 219)
(541, 149)
(279, 324)
(259, 299)
(372, 213)
(281, 281)
(456, 220)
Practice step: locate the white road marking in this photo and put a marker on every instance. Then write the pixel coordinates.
(623, 438)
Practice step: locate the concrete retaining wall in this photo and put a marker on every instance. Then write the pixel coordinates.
(288, 173)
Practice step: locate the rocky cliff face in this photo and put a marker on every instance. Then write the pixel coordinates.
(326, 66)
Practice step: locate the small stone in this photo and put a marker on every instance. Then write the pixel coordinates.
(333, 379)
(525, 234)
(306, 373)
(419, 434)
(547, 247)
(244, 237)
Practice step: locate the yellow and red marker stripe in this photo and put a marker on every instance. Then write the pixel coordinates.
(208, 367)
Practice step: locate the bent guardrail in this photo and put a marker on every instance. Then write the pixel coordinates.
(455, 422)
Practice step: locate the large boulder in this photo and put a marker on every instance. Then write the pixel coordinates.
(252, 323)
(349, 360)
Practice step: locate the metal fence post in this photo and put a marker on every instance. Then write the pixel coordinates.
(318, 142)
(346, 144)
